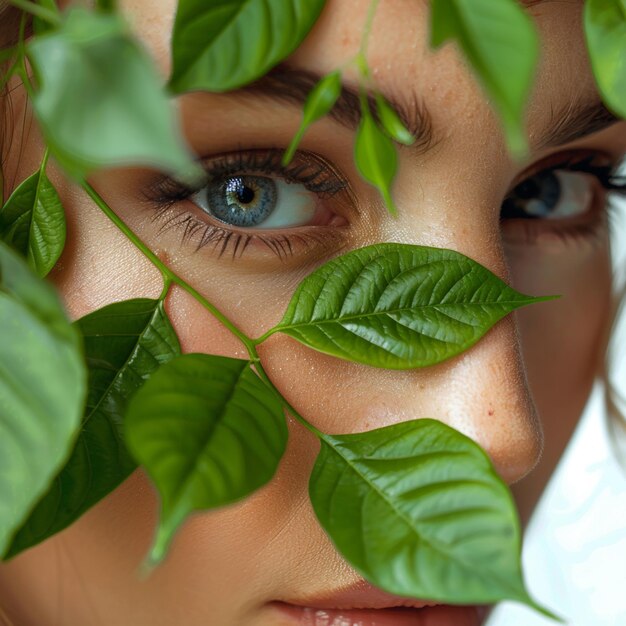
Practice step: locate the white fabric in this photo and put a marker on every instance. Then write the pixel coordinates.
(575, 549)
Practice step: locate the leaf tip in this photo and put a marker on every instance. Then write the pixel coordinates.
(516, 139)
(189, 172)
(389, 203)
(288, 154)
(538, 299)
(158, 550)
(544, 611)
(147, 567)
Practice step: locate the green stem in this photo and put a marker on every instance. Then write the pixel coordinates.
(360, 58)
(166, 272)
(37, 10)
(14, 68)
(266, 379)
(265, 336)
(167, 283)
(367, 29)
(170, 277)
(20, 62)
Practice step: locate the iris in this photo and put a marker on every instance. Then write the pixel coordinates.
(242, 200)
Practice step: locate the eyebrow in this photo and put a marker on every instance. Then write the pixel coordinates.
(293, 85)
(574, 120)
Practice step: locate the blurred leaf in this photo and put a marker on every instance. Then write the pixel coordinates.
(41, 26)
(33, 222)
(375, 157)
(392, 123)
(605, 28)
(42, 390)
(7, 54)
(501, 43)
(118, 115)
(125, 343)
(319, 103)
(418, 509)
(225, 44)
(107, 5)
(398, 306)
(208, 432)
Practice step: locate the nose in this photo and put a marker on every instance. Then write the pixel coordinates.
(482, 393)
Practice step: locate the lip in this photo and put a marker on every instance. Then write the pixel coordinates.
(440, 615)
(361, 604)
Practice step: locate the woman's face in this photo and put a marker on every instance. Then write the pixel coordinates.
(533, 370)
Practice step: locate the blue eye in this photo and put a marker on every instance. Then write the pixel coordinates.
(551, 194)
(248, 201)
(242, 200)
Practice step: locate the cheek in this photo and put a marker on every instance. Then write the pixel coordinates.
(198, 330)
(562, 340)
(99, 265)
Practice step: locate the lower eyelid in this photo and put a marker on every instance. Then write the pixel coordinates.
(527, 234)
(295, 245)
(585, 227)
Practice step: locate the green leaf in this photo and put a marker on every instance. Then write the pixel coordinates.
(42, 390)
(100, 101)
(418, 509)
(33, 222)
(397, 306)
(319, 103)
(208, 432)
(375, 157)
(605, 29)
(392, 123)
(7, 54)
(109, 6)
(41, 26)
(225, 44)
(125, 343)
(501, 43)
(11, 68)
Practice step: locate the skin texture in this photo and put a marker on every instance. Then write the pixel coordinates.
(532, 372)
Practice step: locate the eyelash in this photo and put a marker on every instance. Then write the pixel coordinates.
(606, 174)
(609, 182)
(308, 170)
(317, 176)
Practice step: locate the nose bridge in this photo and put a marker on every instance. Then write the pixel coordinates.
(484, 392)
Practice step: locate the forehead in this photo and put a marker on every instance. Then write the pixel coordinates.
(403, 65)
(401, 24)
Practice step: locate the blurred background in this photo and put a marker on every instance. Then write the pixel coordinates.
(575, 547)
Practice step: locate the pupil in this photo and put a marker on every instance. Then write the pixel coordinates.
(533, 198)
(528, 189)
(244, 201)
(245, 195)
